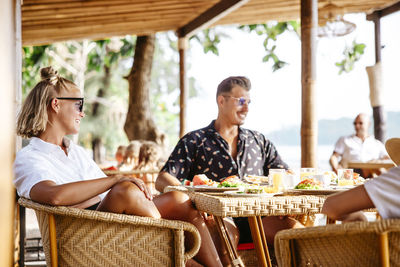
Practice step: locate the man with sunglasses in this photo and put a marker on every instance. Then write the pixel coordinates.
(224, 148)
(360, 146)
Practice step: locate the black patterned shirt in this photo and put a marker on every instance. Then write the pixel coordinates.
(204, 151)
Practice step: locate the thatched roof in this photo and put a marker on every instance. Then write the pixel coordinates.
(47, 21)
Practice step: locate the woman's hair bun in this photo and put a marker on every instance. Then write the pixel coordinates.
(49, 73)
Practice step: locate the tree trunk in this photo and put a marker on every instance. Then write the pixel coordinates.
(97, 143)
(101, 93)
(97, 147)
(139, 124)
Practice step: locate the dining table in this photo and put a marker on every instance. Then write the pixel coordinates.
(254, 207)
(374, 165)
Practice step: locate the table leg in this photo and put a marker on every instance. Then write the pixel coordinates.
(330, 221)
(257, 234)
(233, 255)
(264, 240)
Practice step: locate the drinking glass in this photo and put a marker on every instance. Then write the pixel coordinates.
(306, 172)
(275, 178)
(290, 181)
(345, 177)
(324, 179)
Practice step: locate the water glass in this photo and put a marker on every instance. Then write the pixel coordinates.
(345, 177)
(324, 179)
(290, 181)
(306, 172)
(276, 177)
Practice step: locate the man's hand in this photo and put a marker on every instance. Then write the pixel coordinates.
(334, 162)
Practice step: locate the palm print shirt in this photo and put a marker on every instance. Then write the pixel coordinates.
(204, 151)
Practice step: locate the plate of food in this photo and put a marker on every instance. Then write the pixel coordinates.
(208, 188)
(201, 183)
(242, 194)
(256, 179)
(313, 187)
(251, 191)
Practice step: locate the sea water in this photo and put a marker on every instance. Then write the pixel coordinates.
(292, 156)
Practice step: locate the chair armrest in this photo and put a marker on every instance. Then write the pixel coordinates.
(331, 241)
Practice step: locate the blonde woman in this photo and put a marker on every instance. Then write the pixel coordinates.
(53, 170)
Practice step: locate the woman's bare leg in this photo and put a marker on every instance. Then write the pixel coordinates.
(177, 206)
(125, 197)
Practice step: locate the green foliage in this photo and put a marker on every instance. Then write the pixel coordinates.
(110, 51)
(271, 31)
(34, 58)
(351, 55)
(209, 39)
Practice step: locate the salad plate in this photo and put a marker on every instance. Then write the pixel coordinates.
(242, 194)
(320, 191)
(207, 188)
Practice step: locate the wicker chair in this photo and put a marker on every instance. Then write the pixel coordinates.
(351, 244)
(77, 237)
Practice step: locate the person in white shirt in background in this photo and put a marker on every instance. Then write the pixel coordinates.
(381, 193)
(360, 146)
(52, 170)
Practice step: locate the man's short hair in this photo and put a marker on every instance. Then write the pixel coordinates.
(226, 85)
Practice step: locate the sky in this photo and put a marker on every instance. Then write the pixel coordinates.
(276, 96)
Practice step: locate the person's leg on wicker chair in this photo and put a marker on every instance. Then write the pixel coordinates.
(177, 206)
(127, 198)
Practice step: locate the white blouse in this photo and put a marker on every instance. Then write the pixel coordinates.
(41, 161)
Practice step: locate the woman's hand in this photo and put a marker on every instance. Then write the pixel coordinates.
(139, 183)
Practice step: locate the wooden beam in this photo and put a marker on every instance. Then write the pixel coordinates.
(309, 22)
(210, 16)
(384, 12)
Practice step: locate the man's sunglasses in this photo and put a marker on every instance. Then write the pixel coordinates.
(240, 101)
(81, 99)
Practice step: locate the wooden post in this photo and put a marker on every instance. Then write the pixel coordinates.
(309, 20)
(378, 111)
(377, 24)
(8, 80)
(182, 46)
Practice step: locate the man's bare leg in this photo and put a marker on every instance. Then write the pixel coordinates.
(233, 233)
(274, 224)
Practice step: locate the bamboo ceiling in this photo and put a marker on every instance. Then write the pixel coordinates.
(48, 21)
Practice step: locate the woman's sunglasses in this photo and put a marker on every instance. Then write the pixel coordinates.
(74, 98)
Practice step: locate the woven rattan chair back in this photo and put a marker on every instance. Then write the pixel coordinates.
(351, 244)
(93, 238)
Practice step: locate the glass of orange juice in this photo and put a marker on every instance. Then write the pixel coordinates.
(345, 177)
(275, 177)
(306, 172)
